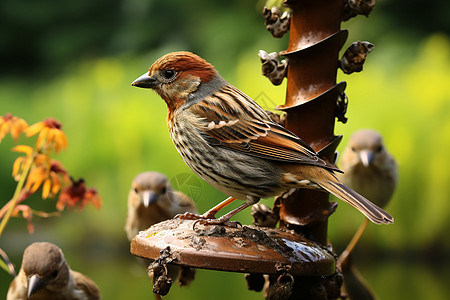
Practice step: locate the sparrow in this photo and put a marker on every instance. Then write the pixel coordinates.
(370, 170)
(152, 200)
(45, 274)
(368, 167)
(229, 140)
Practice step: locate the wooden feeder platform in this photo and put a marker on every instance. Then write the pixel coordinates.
(247, 249)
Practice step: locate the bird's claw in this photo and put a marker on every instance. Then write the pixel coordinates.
(219, 221)
(207, 219)
(190, 216)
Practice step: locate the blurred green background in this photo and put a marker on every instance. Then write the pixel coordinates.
(74, 61)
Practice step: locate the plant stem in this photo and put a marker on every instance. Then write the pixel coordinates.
(344, 255)
(17, 193)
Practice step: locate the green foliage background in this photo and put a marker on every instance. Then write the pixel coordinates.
(80, 73)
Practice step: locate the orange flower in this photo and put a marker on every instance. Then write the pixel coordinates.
(44, 172)
(50, 134)
(47, 173)
(21, 161)
(38, 172)
(77, 195)
(52, 184)
(12, 124)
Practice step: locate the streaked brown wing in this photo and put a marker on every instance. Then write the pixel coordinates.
(235, 121)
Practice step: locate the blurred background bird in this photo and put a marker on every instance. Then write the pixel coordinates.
(370, 170)
(229, 140)
(45, 274)
(368, 167)
(152, 200)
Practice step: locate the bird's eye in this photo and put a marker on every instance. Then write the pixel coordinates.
(164, 190)
(168, 74)
(353, 149)
(379, 148)
(136, 190)
(54, 274)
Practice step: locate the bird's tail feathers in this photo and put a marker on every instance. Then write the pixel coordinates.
(343, 192)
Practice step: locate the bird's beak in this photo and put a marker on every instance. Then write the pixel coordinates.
(145, 81)
(34, 284)
(148, 198)
(366, 157)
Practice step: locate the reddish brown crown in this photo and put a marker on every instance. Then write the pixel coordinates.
(185, 63)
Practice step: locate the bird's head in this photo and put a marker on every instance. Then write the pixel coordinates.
(367, 147)
(175, 75)
(150, 187)
(45, 267)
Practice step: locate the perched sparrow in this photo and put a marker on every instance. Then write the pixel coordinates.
(152, 200)
(45, 274)
(368, 167)
(370, 170)
(231, 142)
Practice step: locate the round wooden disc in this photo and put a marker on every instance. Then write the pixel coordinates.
(247, 249)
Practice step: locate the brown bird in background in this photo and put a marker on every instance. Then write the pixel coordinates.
(229, 140)
(45, 274)
(368, 167)
(370, 170)
(152, 200)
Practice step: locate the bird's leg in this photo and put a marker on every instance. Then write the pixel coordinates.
(210, 214)
(225, 219)
(209, 217)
